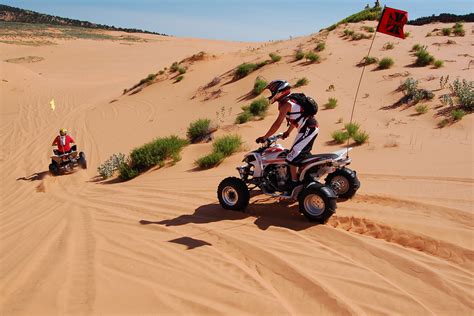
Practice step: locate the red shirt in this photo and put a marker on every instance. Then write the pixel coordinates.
(63, 144)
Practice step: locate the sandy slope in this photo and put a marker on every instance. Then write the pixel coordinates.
(161, 244)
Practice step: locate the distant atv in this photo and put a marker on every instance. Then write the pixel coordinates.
(267, 169)
(64, 163)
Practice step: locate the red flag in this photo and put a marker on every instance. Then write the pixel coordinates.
(392, 22)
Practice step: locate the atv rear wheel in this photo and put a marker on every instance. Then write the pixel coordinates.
(82, 160)
(344, 182)
(53, 169)
(233, 194)
(317, 203)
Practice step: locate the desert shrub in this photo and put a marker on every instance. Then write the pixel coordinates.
(126, 172)
(299, 54)
(275, 57)
(464, 92)
(348, 32)
(198, 129)
(369, 29)
(244, 69)
(457, 114)
(389, 45)
(368, 14)
(446, 31)
(423, 57)
(227, 145)
(107, 169)
(386, 63)
(243, 117)
(412, 93)
(443, 123)
(157, 152)
(259, 85)
(301, 82)
(351, 128)
(312, 57)
(416, 47)
(331, 28)
(429, 34)
(179, 78)
(340, 136)
(407, 34)
(181, 70)
(458, 29)
(161, 72)
(148, 79)
(360, 137)
(438, 63)
(211, 160)
(259, 107)
(358, 36)
(320, 47)
(369, 60)
(332, 103)
(421, 109)
(174, 67)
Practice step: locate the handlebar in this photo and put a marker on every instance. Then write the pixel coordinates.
(272, 139)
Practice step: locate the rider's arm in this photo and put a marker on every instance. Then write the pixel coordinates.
(276, 125)
(71, 140)
(55, 142)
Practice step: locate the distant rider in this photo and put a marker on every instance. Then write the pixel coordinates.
(306, 125)
(63, 141)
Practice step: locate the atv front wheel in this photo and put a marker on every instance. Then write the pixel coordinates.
(344, 182)
(53, 169)
(317, 203)
(82, 160)
(233, 194)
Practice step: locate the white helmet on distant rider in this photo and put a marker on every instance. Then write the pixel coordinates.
(279, 90)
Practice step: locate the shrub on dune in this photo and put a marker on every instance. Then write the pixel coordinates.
(179, 78)
(244, 69)
(222, 147)
(320, 47)
(198, 130)
(438, 63)
(446, 31)
(299, 54)
(360, 138)
(352, 128)
(416, 47)
(457, 114)
(243, 117)
(312, 57)
(386, 63)
(301, 82)
(340, 136)
(369, 60)
(275, 57)
(211, 160)
(181, 70)
(389, 45)
(423, 57)
(332, 103)
(259, 85)
(421, 109)
(259, 107)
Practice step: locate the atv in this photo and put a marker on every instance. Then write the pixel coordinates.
(66, 162)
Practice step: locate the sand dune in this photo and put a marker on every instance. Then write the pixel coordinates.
(161, 243)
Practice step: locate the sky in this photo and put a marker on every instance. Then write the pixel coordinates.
(237, 20)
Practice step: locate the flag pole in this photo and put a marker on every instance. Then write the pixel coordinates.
(360, 79)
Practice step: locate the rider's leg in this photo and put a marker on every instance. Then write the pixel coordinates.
(294, 173)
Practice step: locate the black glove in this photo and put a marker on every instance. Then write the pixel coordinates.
(285, 135)
(260, 140)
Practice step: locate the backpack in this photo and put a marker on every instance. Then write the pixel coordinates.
(310, 107)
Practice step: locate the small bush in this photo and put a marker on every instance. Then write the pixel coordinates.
(359, 36)
(181, 70)
(211, 160)
(259, 107)
(259, 85)
(443, 123)
(429, 34)
(348, 32)
(421, 109)
(423, 57)
(107, 169)
(352, 128)
(244, 69)
(360, 137)
(199, 129)
(161, 72)
(148, 79)
(369, 29)
(156, 152)
(458, 29)
(457, 114)
(446, 31)
(386, 63)
(243, 117)
(227, 145)
(179, 78)
(174, 67)
(389, 45)
(275, 57)
(407, 34)
(464, 91)
(416, 47)
(126, 172)
(299, 54)
(301, 82)
(312, 57)
(438, 63)
(369, 60)
(332, 103)
(340, 137)
(320, 47)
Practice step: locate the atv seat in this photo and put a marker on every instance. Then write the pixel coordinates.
(319, 157)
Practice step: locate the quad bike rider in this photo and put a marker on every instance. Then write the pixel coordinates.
(65, 156)
(292, 174)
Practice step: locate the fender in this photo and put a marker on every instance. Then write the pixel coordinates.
(323, 188)
(256, 161)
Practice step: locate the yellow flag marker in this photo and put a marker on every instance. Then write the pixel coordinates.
(53, 105)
